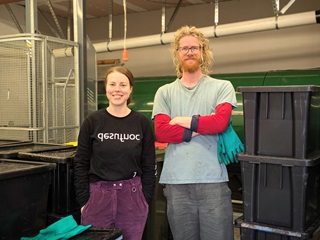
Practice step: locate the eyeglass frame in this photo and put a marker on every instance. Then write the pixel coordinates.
(193, 49)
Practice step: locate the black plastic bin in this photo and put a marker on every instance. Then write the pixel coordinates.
(235, 185)
(283, 192)
(157, 226)
(61, 193)
(53, 217)
(24, 187)
(100, 234)
(256, 231)
(282, 121)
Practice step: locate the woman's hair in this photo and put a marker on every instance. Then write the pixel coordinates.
(125, 71)
(206, 53)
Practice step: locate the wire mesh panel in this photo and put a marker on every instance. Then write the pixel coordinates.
(39, 95)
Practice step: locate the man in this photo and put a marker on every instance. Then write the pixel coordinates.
(189, 113)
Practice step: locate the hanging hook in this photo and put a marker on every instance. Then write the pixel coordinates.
(276, 7)
(216, 17)
(125, 52)
(110, 19)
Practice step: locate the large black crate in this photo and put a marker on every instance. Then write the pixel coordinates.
(24, 187)
(283, 192)
(235, 185)
(157, 226)
(61, 193)
(282, 121)
(256, 231)
(54, 217)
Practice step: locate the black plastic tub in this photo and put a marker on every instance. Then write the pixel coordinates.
(61, 193)
(54, 217)
(24, 187)
(281, 121)
(282, 192)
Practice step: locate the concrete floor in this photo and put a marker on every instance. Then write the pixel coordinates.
(236, 229)
(237, 234)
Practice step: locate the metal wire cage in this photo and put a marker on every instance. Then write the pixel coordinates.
(39, 89)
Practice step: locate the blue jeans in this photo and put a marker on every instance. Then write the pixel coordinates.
(200, 211)
(117, 204)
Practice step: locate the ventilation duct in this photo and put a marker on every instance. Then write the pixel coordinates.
(265, 24)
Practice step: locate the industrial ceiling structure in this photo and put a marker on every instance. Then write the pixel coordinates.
(95, 9)
(103, 8)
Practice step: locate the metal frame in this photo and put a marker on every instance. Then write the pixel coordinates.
(52, 94)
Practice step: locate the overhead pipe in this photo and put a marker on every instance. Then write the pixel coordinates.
(292, 20)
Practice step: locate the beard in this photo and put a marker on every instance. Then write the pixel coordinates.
(190, 67)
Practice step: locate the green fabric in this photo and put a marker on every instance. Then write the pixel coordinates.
(229, 145)
(64, 228)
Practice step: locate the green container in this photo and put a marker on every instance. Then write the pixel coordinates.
(145, 89)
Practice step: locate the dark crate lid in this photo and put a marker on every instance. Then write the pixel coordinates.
(311, 161)
(308, 234)
(11, 168)
(13, 150)
(53, 155)
(289, 88)
(8, 142)
(99, 234)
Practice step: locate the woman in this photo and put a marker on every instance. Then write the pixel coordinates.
(115, 162)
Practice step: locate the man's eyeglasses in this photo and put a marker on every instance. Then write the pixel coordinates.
(193, 49)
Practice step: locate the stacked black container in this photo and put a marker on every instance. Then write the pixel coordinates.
(24, 190)
(62, 201)
(280, 168)
(61, 196)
